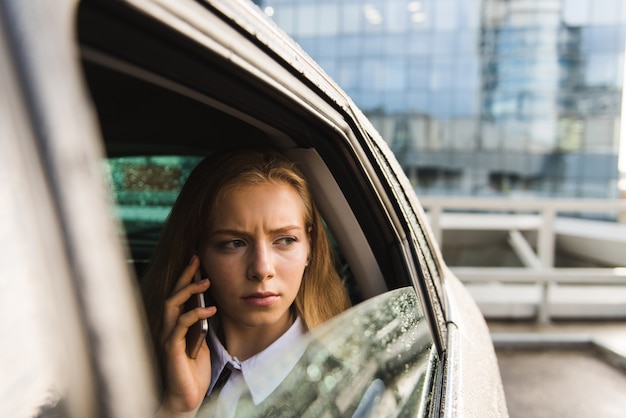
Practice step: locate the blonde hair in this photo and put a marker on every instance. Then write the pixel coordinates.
(322, 294)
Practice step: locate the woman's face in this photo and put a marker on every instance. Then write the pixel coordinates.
(255, 255)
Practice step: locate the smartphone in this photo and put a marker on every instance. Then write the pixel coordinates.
(197, 332)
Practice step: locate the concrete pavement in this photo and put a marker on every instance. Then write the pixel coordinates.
(562, 369)
(606, 338)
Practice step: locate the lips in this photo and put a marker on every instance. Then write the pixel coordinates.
(261, 299)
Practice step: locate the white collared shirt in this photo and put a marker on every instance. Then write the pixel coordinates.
(261, 373)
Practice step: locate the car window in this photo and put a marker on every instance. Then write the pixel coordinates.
(376, 359)
(378, 353)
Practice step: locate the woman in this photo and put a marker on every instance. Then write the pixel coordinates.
(246, 219)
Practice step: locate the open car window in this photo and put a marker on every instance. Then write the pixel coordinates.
(163, 103)
(377, 359)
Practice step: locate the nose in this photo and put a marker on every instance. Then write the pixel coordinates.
(260, 262)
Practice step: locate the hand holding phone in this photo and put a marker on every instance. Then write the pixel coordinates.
(197, 332)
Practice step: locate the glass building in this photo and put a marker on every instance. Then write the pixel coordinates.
(479, 97)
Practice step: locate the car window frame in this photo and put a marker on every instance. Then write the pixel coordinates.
(340, 120)
(337, 128)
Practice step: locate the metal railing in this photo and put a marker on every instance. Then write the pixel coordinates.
(513, 216)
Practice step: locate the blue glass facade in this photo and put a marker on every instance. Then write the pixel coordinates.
(479, 97)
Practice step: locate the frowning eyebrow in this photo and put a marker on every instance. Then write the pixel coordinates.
(277, 231)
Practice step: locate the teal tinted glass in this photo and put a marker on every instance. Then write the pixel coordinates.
(145, 187)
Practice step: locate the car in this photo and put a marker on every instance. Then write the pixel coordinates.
(105, 107)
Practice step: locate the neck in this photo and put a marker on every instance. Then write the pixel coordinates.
(243, 341)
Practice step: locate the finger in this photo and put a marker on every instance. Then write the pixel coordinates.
(175, 304)
(181, 296)
(187, 275)
(185, 321)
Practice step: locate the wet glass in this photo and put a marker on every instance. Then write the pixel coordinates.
(375, 359)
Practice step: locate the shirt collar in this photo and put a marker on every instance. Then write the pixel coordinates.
(264, 371)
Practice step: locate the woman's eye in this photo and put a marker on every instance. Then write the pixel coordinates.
(233, 244)
(286, 241)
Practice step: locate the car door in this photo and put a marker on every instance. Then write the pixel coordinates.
(72, 343)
